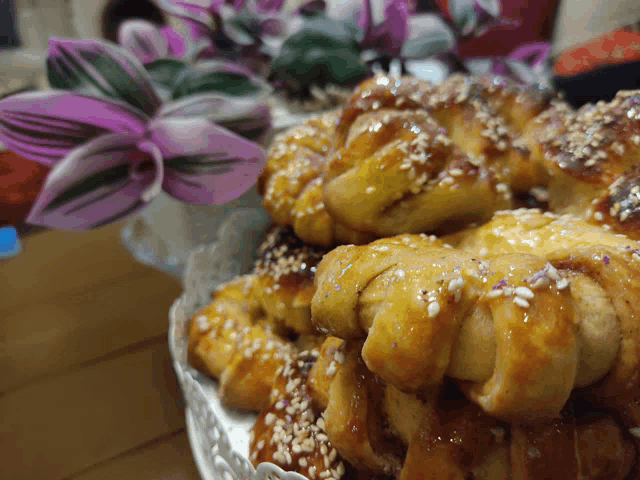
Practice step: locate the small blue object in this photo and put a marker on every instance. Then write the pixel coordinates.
(9, 242)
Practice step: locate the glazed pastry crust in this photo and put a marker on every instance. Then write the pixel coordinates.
(406, 156)
(242, 337)
(401, 156)
(505, 313)
(438, 433)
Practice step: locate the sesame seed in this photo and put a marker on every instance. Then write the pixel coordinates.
(331, 369)
(562, 284)
(312, 472)
(455, 284)
(202, 322)
(598, 216)
(269, 418)
(635, 431)
(521, 302)
(433, 309)
(524, 292)
(494, 293)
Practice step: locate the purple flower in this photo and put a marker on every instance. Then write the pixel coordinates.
(111, 158)
(148, 42)
(389, 35)
(526, 63)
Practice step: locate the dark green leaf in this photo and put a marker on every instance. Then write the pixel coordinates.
(231, 83)
(165, 71)
(101, 69)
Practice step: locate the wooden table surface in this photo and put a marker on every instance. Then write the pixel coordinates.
(87, 391)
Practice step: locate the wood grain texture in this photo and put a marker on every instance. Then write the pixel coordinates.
(76, 327)
(167, 458)
(55, 263)
(66, 423)
(87, 390)
(68, 322)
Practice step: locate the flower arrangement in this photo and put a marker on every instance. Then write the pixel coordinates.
(300, 47)
(112, 144)
(185, 113)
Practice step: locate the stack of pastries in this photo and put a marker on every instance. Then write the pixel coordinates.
(451, 289)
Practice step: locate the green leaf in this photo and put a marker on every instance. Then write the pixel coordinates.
(98, 68)
(324, 51)
(229, 83)
(165, 71)
(217, 76)
(464, 15)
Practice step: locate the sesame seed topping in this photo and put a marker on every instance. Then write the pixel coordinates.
(562, 284)
(202, 322)
(521, 302)
(524, 292)
(433, 309)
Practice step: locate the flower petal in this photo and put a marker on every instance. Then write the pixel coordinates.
(100, 68)
(428, 35)
(163, 73)
(45, 126)
(95, 185)
(267, 6)
(395, 25)
(488, 7)
(249, 117)
(175, 41)
(144, 39)
(534, 54)
(196, 16)
(204, 163)
(463, 14)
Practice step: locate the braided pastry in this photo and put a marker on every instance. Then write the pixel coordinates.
(542, 304)
(591, 157)
(398, 158)
(291, 432)
(371, 428)
(406, 156)
(243, 336)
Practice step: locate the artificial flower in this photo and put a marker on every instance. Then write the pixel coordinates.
(114, 146)
(148, 42)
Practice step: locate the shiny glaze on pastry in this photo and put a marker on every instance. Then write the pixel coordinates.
(244, 335)
(527, 307)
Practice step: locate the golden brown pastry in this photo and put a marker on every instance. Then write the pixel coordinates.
(529, 307)
(245, 334)
(291, 433)
(376, 429)
(406, 156)
(402, 156)
(592, 156)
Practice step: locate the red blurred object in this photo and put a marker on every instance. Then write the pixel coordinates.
(20, 182)
(533, 22)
